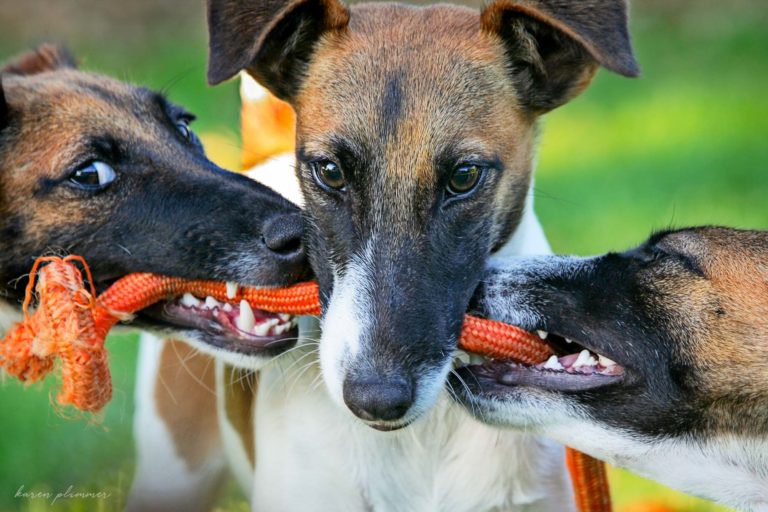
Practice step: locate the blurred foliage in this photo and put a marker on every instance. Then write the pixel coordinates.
(685, 144)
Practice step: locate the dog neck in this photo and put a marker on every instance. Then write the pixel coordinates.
(349, 463)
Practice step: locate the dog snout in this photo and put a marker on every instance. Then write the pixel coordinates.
(378, 399)
(283, 236)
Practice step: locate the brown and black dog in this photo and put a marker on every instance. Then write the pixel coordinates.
(666, 367)
(415, 143)
(112, 172)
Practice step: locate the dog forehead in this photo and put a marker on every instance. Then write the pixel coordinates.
(423, 76)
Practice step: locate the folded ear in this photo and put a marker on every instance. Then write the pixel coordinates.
(46, 57)
(556, 46)
(272, 39)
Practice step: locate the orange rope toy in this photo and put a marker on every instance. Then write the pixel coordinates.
(72, 323)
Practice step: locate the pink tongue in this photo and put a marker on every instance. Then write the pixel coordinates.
(568, 360)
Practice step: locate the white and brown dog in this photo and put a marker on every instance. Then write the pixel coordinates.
(664, 367)
(415, 148)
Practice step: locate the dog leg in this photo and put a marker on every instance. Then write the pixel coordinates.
(180, 463)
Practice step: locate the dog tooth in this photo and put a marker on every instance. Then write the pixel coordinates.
(585, 359)
(553, 363)
(227, 307)
(461, 356)
(284, 317)
(604, 361)
(246, 320)
(211, 303)
(231, 290)
(260, 329)
(542, 334)
(280, 329)
(568, 340)
(189, 300)
(476, 359)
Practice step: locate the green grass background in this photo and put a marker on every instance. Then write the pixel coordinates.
(685, 144)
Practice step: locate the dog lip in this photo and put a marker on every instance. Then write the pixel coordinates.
(383, 426)
(218, 332)
(497, 376)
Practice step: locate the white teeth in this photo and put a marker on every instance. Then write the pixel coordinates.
(553, 363)
(476, 359)
(584, 359)
(211, 303)
(568, 340)
(284, 317)
(246, 320)
(462, 356)
(231, 290)
(542, 334)
(227, 307)
(280, 329)
(190, 301)
(604, 361)
(262, 329)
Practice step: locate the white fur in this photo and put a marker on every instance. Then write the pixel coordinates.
(163, 480)
(312, 454)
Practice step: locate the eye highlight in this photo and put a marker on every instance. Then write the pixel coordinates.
(464, 179)
(95, 175)
(182, 125)
(328, 175)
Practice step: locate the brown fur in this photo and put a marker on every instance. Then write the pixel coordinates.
(239, 401)
(185, 394)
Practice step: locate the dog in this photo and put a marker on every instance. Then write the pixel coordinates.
(415, 139)
(114, 173)
(659, 363)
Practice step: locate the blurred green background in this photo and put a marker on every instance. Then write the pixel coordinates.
(685, 144)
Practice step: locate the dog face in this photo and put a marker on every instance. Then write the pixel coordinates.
(111, 172)
(682, 321)
(415, 136)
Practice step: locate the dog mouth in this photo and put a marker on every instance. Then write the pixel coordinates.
(572, 367)
(233, 326)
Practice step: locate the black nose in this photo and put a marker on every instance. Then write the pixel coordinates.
(282, 235)
(378, 399)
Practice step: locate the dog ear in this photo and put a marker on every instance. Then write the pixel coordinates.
(272, 39)
(556, 46)
(46, 57)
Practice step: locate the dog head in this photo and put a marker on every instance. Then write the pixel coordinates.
(112, 172)
(415, 142)
(675, 334)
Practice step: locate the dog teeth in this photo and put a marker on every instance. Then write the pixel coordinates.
(476, 359)
(284, 317)
(542, 334)
(211, 303)
(553, 363)
(604, 361)
(568, 340)
(231, 290)
(190, 301)
(227, 307)
(462, 357)
(584, 359)
(262, 329)
(246, 320)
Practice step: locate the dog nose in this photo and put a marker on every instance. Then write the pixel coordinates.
(376, 399)
(282, 235)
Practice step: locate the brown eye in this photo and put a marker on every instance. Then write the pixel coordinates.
(464, 179)
(329, 175)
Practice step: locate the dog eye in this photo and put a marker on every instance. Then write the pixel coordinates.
(328, 175)
(183, 127)
(464, 179)
(93, 176)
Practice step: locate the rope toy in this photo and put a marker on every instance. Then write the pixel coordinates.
(71, 323)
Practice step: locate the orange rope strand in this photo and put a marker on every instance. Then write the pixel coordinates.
(71, 323)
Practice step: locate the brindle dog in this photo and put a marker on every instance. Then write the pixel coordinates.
(670, 380)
